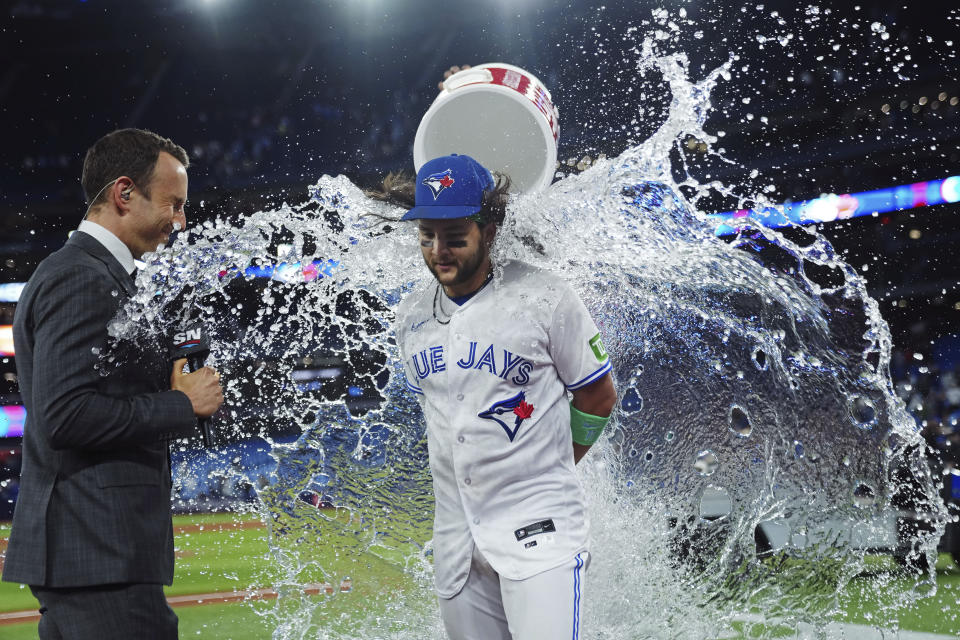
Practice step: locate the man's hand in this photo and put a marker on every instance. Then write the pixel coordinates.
(202, 387)
(449, 72)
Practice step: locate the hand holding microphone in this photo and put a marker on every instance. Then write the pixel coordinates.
(202, 384)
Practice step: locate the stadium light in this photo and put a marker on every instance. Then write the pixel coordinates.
(950, 189)
(10, 291)
(284, 272)
(829, 208)
(6, 340)
(11, 421)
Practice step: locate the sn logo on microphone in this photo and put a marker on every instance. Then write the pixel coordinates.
(188, 338)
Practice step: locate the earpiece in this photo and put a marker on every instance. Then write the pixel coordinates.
(125, 195)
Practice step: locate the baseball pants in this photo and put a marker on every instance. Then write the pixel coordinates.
(546, 606)
(109, 612)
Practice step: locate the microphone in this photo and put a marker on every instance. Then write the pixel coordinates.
(192, 343)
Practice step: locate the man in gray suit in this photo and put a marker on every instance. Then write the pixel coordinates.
(92, 532)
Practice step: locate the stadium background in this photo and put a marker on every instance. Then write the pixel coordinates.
(268, 96)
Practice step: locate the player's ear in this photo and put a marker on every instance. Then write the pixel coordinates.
(488, 232)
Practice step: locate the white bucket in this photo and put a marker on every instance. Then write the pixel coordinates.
(500, 115)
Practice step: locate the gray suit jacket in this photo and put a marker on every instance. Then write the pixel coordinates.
(94, 503)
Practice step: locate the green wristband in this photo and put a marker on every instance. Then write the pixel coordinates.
(586, 428)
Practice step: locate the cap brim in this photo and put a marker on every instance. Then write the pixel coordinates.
(441, 212)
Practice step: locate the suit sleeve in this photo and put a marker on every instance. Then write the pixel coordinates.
(575, 345)
(70, 316)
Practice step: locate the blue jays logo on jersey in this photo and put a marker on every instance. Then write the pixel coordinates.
(439, 181)
(517, 407)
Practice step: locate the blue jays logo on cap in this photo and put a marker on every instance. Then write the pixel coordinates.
(462, 181)
(439, 181)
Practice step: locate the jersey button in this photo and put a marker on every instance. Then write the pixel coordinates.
(459, 396)
(460, 438)
(476, 521)
(467, 481)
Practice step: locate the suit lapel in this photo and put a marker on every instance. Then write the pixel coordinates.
(90, 244)
(121, 276)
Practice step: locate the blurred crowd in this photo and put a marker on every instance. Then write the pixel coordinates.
(10, 461)
(932, 396)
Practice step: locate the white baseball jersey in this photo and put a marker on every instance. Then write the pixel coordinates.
(492, 377)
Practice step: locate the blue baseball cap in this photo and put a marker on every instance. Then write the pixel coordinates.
(450, 187)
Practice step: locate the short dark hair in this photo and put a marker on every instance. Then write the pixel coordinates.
(125, 152)
(399, 189)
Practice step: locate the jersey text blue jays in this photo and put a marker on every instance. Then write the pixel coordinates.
(499, 362)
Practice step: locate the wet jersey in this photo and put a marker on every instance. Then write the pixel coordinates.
(492, 377)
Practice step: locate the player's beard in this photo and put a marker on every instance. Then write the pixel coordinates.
(465, 270)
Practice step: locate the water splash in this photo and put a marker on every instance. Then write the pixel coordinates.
(757, 445)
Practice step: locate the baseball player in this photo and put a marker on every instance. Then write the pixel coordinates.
(494, 364)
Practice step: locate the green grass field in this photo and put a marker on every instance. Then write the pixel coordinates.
(217, 559)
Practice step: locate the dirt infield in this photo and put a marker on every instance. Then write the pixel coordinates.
(17, 617)
(218, 526)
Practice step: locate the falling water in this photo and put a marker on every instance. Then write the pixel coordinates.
(753, 456)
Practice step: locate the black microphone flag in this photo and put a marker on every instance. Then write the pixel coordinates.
(192, 343)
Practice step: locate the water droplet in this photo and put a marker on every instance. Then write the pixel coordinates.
(760, 359)
(114, 293)
(631, 402)
(668, 436)
(797, 449)
(926, 588)
(706, 463)
(715, 502)
(863, 412)
(740, 422)
(864, 495)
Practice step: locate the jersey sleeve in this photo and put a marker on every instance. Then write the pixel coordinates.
(575, 344)
(410, 380)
